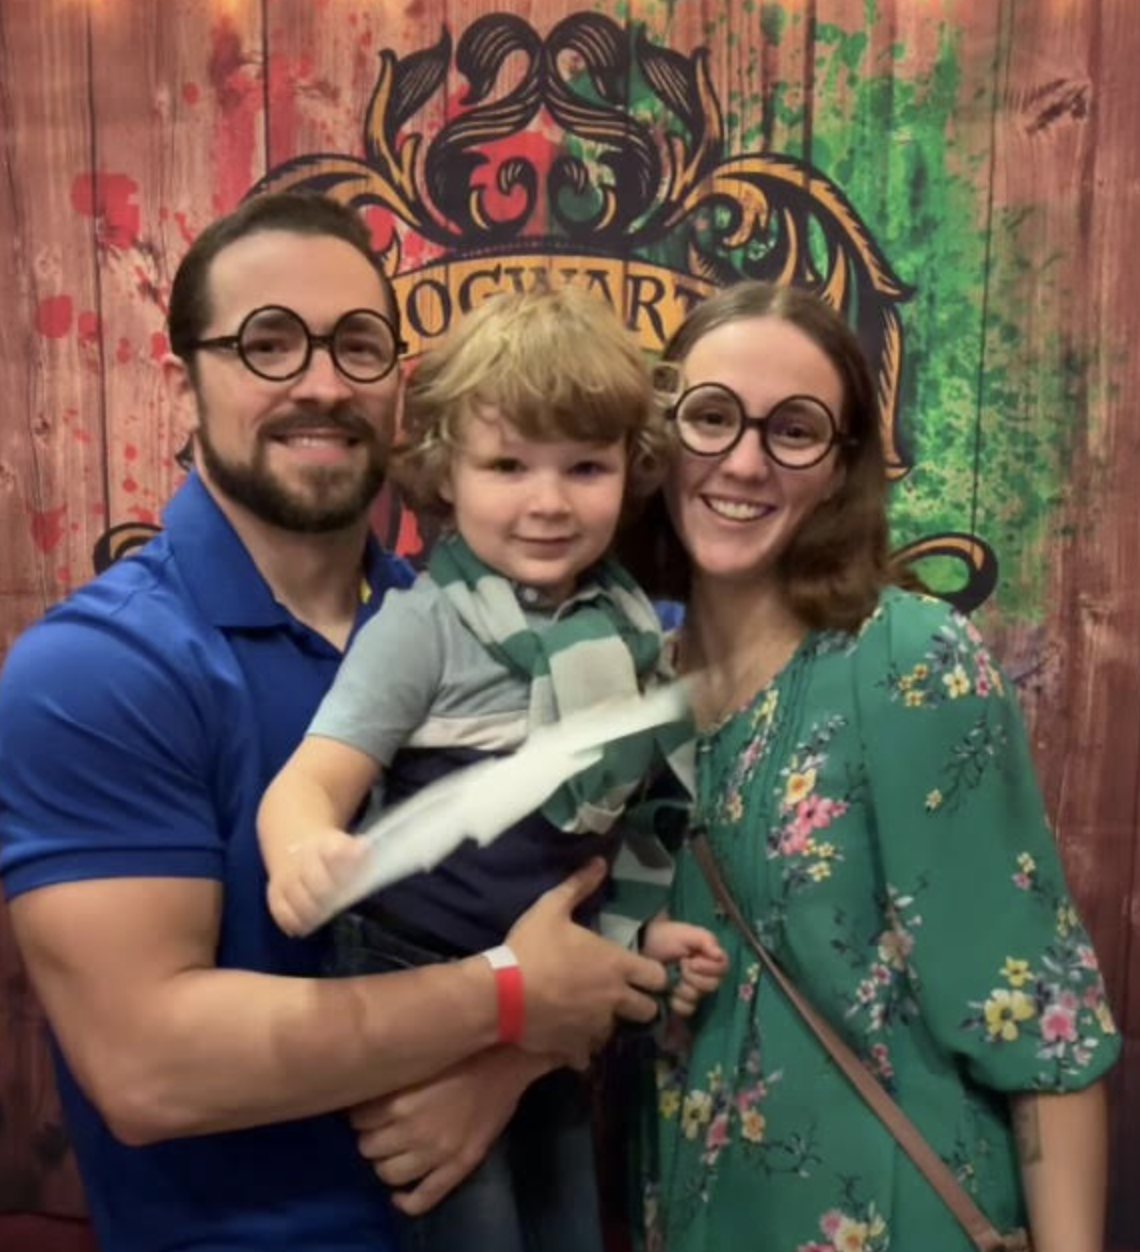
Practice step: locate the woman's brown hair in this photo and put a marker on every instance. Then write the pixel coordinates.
(838, 562)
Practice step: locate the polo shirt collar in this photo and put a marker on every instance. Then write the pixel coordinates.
(221, 575)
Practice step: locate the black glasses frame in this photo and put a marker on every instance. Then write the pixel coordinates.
(760, 424)
(233, 343)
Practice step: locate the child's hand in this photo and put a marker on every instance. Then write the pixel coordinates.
(303, 882)
(701, 960)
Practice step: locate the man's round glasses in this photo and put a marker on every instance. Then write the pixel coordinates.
(797, 433)
(274, 343)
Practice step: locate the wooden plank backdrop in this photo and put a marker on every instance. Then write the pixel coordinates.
(990, 153)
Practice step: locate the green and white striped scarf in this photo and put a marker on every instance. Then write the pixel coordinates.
(604, 643)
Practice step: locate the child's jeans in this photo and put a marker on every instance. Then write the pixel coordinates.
(536, 1190)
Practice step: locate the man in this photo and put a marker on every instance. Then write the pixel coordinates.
(202, 1063)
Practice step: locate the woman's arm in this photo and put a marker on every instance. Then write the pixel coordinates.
(1062, 1147)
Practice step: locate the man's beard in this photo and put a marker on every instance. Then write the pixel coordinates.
(333, 498)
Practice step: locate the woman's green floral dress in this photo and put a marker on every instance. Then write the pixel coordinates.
(876, 812)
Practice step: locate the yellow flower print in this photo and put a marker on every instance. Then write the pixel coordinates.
(799, 787)
(957, 683)
(915, 699)
(878, 1226)
(767, 709)
(716, 1078)
(1104, 1018)
(1003, 1010)
(851, 1236)
(933, 800)
(819, 871)
(825, 850)
(695, 1113)
(920, 671)
(1066, 919)
(752, 1123)
(734, 807)
(669, 1102)
(1026, 863)
(906, 682)
(1015, 971)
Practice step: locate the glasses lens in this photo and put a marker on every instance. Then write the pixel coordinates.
(364, 346)
(708, 419)
(799, 432)
(273, 343)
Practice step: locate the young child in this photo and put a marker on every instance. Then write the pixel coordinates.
(531, 430)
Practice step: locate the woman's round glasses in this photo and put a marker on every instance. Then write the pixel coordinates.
(274, 343)
(797, 433)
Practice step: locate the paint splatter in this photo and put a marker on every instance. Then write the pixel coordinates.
(186, 232)
(236, 131)
(53, 317)
(88, 327)
(47, 527)
(109, 198)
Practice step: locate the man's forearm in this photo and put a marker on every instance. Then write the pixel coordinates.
(1062, 1146)
(227, 1049)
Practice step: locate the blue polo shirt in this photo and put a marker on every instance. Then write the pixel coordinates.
(140, 722)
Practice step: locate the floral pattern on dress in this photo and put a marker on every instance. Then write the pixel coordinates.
(1059, 999)
(803, 812)
(856, 1227)
(955, 664)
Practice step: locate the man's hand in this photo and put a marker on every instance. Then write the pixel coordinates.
(300, 886)
(575, 982)
(434, 1134)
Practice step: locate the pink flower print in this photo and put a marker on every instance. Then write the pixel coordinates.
(1092, 997)
(866, 991)
(1058, 1024)
(831, 809)
(746, 991)
(982, 683)
(1022, 880)
(1068, 1001)
(830, 1222)
(1086, 957)
(880, 973)
(795, 838)
(1082, 1056)
(882, 1060)
(717, 1134)
(815, 812)
(972, 632)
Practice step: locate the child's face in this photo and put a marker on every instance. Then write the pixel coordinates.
(538, 511)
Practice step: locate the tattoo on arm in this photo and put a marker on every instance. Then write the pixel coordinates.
(1027, 1130)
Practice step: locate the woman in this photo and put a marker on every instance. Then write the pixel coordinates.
(868, 793)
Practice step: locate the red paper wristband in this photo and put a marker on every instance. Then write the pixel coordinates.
(509, 989)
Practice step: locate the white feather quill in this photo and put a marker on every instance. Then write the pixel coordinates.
(483, 801)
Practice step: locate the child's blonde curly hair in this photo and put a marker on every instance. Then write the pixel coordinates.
(557, 364)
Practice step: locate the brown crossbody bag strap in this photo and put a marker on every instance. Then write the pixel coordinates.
(981, 1231)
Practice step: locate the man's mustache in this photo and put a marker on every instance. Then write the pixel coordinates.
(343, 421)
